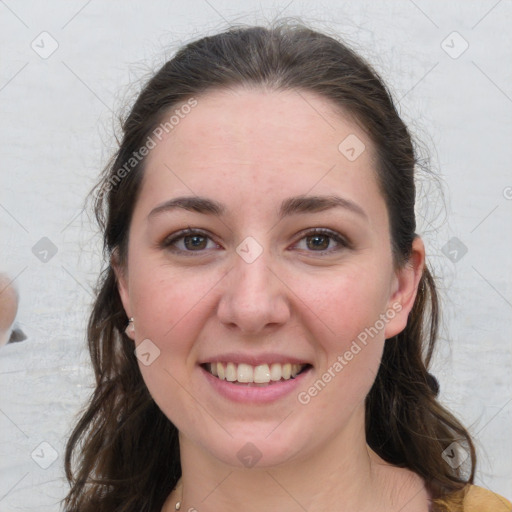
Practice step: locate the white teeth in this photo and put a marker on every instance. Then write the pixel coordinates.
(261, 374)
(245, 373)
(230, 372)
(275, 371)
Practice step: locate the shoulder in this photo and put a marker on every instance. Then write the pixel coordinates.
(475, 499)
(478, 499)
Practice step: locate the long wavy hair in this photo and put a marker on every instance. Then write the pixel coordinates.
(123, 454)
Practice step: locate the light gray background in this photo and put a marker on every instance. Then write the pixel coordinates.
(57, 119)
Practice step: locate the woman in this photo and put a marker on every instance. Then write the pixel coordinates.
(262, 334)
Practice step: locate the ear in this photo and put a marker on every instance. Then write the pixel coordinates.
(405, 288)
(120, 272)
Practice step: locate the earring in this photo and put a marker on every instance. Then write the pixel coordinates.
(130, 328)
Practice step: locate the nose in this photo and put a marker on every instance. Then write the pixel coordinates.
(254, 297)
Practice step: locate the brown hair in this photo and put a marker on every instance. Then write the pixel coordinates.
(123, 454)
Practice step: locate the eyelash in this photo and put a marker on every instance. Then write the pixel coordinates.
(169, 241)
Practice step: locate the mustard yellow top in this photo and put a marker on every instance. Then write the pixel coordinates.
(474, 499)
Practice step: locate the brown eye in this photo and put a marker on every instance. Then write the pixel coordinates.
(323, 240)
(194, 241)
(187, 241)
(318, 242)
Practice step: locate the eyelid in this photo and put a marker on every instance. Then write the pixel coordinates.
(341, 240)
(171, 239)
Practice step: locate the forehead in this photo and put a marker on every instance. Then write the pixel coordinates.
(241, 122)
(260, 145)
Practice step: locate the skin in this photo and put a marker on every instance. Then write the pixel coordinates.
(250, 149)
(8, 308)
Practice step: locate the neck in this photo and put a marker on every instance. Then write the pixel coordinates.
(343, 474)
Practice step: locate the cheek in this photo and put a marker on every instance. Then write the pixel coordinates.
(170, 308)
(165, 300)
(350, 332)
(347, 303)
(170, 311)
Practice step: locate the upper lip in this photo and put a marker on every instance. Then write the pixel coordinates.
(253, 359)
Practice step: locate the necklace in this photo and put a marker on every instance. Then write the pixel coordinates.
(177, 506)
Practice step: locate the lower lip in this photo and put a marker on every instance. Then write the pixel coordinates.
(254, 394)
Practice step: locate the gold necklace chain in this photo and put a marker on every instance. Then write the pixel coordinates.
(177, 505)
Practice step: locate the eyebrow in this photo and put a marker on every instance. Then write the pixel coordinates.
(291, 206)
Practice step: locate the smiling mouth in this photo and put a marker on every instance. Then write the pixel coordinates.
(261, 375)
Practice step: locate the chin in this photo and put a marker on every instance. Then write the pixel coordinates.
(258, 447)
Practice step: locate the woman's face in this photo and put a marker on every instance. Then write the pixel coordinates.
(253, 287)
